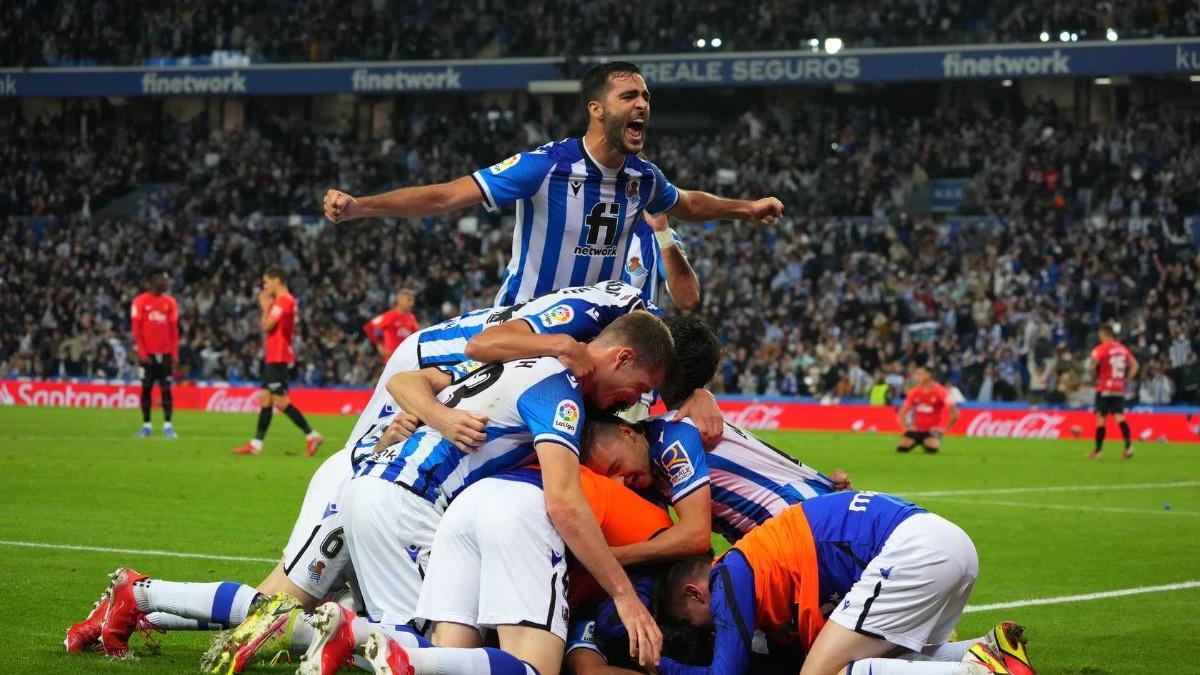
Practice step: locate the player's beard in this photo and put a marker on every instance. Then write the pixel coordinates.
(614, 133)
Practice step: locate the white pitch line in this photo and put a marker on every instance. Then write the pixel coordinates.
(1083, 598)
(131, 551)
(1067, 507)
(1052, 488)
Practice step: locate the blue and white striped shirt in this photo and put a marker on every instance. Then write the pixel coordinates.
(581, 312)
(526, 402)
(752, 481)
(574, 216)
(644, 268)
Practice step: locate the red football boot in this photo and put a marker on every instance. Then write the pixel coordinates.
(85, 634)
(386, 655)
(333, 645)
(123, 616)
(311, 443)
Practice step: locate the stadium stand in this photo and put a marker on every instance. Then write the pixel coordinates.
(1061, 226)
(120, 32)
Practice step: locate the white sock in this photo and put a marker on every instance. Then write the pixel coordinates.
(902, 667)
(256, 444)
(170, 622)
(950, 651)
(302, 634)
(312, 434)
(484, 661)
(168, 425)
(225, 603)
(145, 425)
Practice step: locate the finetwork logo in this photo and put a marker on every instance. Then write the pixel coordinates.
(399, 80)
(233, 83)
(996, 65)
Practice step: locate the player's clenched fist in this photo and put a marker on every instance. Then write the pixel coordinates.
(340, 206)
(767, 210)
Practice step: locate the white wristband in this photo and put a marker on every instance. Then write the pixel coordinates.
(666, 238)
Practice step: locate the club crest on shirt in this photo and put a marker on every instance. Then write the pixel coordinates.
(556, 316)
(677, 464)
(631, 190)
(566, 417)
(500, 167)
(315, 569)
(634, 268)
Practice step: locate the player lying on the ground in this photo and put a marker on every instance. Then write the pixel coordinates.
(926, 404)
(896, 576)
(578, 200)
(535, 411)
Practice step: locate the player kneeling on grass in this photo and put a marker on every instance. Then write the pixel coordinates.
(927, 404)
(895, 576)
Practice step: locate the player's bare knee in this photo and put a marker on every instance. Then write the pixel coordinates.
(264, 398)
(279, 401)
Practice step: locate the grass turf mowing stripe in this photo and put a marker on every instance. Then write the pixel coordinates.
(1051, 488)
(1083, 598)
(132, 551)
(1033, 506)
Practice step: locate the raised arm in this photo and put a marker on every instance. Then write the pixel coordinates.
(695, 206)
(410, 202)
(682, 284)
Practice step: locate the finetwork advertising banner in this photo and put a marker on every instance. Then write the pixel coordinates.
(724, 69)
(995, 422)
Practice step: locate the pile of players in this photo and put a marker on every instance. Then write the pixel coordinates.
(488, 468)
(462, 517)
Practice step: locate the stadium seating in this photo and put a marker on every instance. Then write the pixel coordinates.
(1083, 224)
(116, 32)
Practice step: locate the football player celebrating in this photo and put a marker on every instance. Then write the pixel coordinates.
(578, 200)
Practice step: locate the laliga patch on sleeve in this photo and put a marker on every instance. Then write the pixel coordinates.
(556, 316)
(460, 371)
(500, 167)
(566, 417)
(677, 464)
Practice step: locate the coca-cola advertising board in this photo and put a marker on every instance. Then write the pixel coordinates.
(975, 420)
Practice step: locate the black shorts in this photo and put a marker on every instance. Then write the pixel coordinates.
(275, 377)
(158, 368)
(919, 437)
(1110, 405)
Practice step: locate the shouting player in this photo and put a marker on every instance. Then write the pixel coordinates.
(578, 200)
(154, 316)
(393, 327)
(923, 412)
(1114, 366)
(279, 323)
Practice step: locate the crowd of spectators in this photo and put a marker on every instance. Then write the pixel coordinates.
(1061, 227)
(124, 32)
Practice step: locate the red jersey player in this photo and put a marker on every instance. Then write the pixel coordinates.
(154, 316)
(393, 327)
(927, 404)
(279, 323)
(1114, 367)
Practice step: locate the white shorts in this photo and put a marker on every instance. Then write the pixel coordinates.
(389, 532)
(914, 591)
(315, 558)
(497, 561)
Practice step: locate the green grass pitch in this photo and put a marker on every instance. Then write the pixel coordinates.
(1047, 522)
